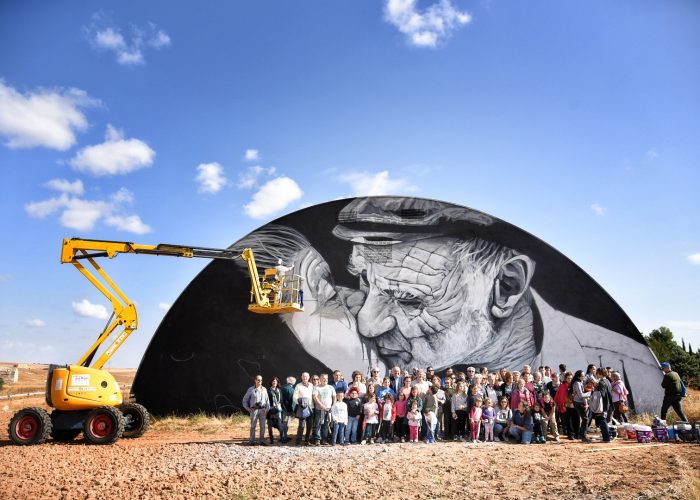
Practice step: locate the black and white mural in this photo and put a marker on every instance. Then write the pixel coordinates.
(389, 281)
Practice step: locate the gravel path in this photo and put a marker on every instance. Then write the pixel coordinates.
(181, 466)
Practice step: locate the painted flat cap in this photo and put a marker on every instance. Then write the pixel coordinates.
(386, 220)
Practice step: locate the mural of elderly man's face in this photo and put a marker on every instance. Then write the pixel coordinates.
(430, 303)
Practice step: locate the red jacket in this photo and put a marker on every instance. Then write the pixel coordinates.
(560, 397)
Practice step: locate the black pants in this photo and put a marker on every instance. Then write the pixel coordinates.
(400, 428)
(461, 430)
(675, 403)
(584, 416)
(573, 422)
(603, 425)
(448, 423)
(305, 423)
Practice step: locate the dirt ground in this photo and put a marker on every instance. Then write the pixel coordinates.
(200, 456)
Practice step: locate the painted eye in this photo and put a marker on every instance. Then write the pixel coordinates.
(408, 300)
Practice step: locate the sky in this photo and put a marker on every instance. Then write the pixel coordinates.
(195, 123)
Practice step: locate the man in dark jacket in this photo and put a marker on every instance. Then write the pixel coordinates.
(287, 391)
(672, 392)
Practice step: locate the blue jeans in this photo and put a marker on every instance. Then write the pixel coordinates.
(320, 426)
(524, 437)
(338, 433)
(497, 429)
(351, 430)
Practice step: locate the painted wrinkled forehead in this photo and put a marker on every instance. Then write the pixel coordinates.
(421, 263)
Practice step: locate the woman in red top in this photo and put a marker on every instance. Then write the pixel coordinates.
(522, 394)
(565, 407)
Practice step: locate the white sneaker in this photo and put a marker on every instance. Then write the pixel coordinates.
(364, 441)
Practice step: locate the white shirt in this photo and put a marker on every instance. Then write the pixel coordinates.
(339, 412)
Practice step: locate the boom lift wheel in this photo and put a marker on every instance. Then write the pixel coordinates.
(103, 425)
(136, 419)
(30, 426)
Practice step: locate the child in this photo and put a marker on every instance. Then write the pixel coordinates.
(537, 422)
(503, 416)
(430, 413)
(371, 410)
(414, 420)
(459, 410)
(400, 426)
(488, 417)
(339, 417)
(388, 412)
(354, 405)
(549, 419)
(475, 419)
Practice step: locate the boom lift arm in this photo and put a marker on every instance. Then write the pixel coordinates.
(75, 250)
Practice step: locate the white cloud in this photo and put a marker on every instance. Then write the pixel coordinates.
(694, 258)
(115, 156)
(123, 196)
(598, 209)
(381, 183)
(249, 178)
(76, 187)
(273, 197)
(7, 345)
(427, 28)
(89, 310)
(652, 154)
(164, 306)
(5, 278)
(82, 215)
(128, 49)
(159, 40)
(35, 323)
(252, 155)
(44, 118)
(210, 177)
(129, 223)
(686, 326)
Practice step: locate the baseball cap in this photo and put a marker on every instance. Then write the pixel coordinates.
(665, 365)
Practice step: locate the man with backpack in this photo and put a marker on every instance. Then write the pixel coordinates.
(673, 392)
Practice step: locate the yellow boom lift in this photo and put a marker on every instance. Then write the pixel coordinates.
(87, 398)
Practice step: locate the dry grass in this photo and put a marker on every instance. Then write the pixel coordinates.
(691, 407)
(200, 423)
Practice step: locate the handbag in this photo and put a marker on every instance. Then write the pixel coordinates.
(622, 407)
(303, 410)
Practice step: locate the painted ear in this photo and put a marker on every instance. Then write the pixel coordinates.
(511, 283)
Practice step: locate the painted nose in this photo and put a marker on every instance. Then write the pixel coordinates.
(374, 318)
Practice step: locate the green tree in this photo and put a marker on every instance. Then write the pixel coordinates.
(665, 348)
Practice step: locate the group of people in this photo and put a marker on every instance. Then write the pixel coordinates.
(476, 405)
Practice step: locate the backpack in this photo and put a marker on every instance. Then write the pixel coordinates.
(684, 390)
(596, 402)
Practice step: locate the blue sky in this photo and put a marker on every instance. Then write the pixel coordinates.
(161, 122)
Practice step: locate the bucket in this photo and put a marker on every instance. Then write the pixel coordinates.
(671, 432)
(612, 429)
(684, 431)
(643, 433)
(660, 434)
(631, 432)
(622, 431)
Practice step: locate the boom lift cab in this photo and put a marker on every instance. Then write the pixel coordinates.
(87, 398)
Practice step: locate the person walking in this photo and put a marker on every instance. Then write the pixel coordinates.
(673, 390)
(256, 402)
